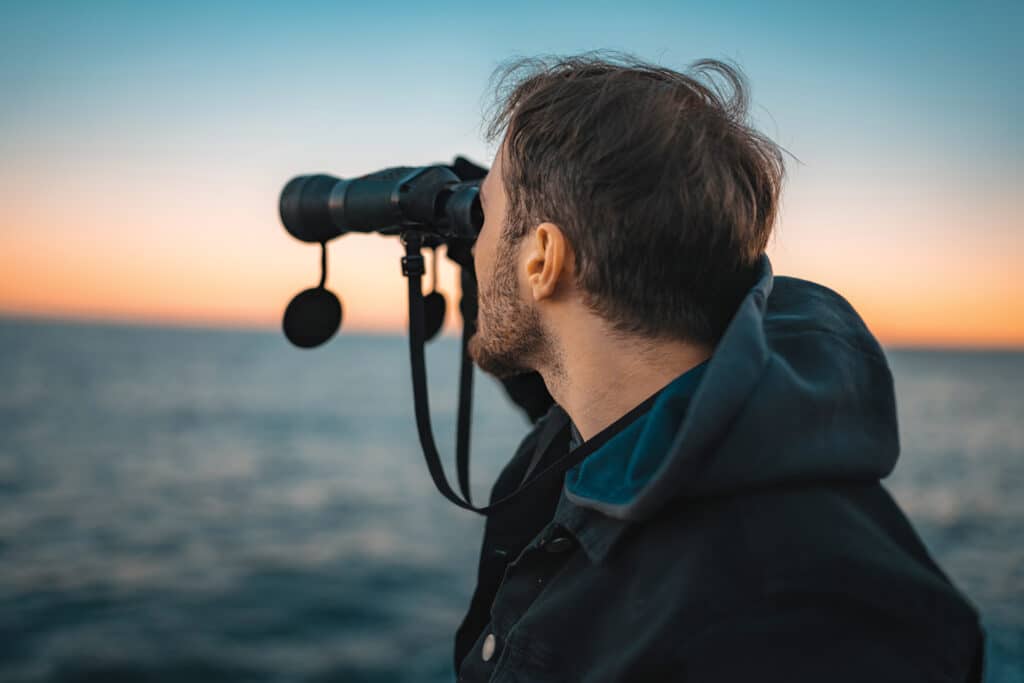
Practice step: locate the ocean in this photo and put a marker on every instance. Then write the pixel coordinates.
(206, 505)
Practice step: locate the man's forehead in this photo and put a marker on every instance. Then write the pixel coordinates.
(495, 170)
(483, 187)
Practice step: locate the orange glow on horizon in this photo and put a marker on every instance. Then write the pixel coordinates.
(114, 288)
(236, 267)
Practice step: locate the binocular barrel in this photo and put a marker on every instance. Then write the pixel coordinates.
(318, 208)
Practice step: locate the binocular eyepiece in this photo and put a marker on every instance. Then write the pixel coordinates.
(429, 199)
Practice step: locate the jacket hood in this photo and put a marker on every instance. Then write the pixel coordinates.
(797, 390)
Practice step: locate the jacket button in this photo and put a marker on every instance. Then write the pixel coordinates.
(488, 649)
(558, 544)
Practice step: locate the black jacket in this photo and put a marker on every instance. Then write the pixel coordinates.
(732, 531)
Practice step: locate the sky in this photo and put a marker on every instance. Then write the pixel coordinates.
(143, 146)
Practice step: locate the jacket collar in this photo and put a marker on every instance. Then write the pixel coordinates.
(596, 533)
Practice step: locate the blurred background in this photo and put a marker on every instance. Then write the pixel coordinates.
(184, 496)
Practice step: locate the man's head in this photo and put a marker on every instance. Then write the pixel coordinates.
(622, 191)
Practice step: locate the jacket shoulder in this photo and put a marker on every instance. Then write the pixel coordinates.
(843, 539)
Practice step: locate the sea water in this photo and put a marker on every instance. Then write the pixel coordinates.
(185, 504)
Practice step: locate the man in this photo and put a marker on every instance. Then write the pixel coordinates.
(725, 520)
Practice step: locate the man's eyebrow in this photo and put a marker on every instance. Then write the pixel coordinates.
(480, 191)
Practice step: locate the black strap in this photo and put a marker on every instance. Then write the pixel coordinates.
(465, 414)
(556, 423)
(412, 268)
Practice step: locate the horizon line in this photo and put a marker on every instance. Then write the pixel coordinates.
(448, 331)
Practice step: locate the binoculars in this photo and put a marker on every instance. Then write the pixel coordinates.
(430, 199)
(433, 205)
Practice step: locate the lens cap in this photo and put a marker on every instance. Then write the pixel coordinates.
(312, 317)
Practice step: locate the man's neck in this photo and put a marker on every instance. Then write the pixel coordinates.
(599, 381)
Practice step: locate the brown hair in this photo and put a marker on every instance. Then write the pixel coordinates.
(665, 194)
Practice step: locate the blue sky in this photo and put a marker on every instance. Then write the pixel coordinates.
(204, 110)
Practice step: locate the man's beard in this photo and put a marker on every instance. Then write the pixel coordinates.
(510, 338)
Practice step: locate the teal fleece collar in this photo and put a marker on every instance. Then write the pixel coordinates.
(624, 463)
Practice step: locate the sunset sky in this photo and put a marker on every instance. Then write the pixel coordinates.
(143, 147)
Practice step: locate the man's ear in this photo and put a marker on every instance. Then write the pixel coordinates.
(548, 260)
